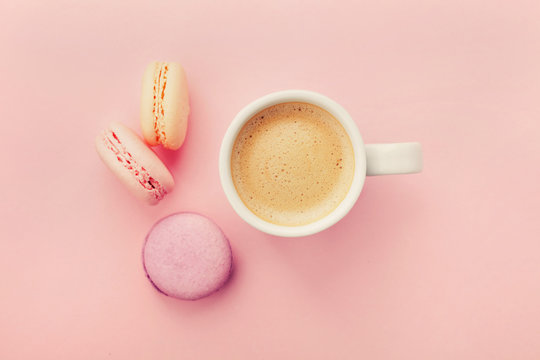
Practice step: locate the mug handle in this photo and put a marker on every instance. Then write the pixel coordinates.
(397, 158)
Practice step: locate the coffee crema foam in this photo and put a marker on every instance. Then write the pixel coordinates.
(292, 164)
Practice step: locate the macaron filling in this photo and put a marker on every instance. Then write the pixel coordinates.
(139, 172)
(160, 83)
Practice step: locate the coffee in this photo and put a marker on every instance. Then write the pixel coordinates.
(292, 164)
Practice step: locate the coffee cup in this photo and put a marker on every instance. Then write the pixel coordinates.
(291, 153)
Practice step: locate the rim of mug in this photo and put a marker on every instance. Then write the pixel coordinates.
(286, 96)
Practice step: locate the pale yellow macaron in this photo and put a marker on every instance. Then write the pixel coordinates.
(164, 104)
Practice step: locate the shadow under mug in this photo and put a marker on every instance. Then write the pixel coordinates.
(372, 159)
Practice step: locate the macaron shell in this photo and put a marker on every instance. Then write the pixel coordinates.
(187, 256)
(143, 155)
(147, 105)
(124, 175)
(175, 106)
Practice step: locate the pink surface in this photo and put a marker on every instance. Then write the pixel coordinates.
(442, 265)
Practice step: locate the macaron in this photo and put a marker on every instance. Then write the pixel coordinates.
(187, 256)
(164, 104)
(134, 163)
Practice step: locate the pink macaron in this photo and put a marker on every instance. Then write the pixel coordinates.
(187, 256)
(134, 163)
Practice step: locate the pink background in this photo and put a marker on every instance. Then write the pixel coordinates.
(441, 265)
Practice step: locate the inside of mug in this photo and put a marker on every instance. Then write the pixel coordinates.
(255, 116)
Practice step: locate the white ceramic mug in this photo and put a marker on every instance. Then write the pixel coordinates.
(373, 159)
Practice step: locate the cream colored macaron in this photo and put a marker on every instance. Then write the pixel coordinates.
(164, 104)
